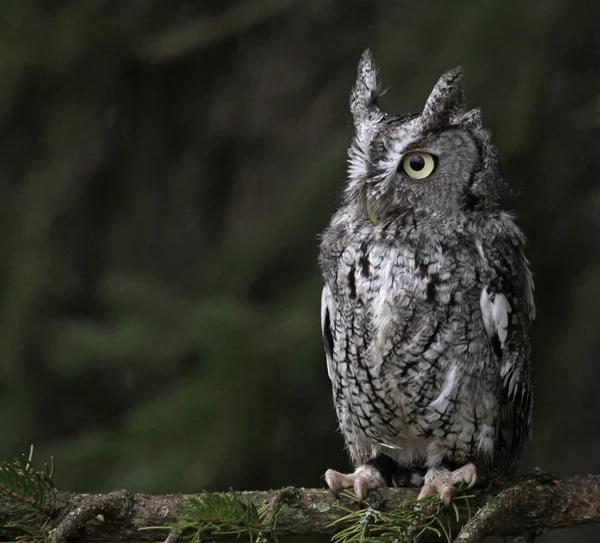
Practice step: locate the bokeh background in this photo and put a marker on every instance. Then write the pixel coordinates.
(166, 167)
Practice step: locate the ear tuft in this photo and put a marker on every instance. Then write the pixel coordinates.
(363, 100)
(446, 102)
(472, 119)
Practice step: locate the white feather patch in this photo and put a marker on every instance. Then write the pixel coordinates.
(383, 313)
(447, 390)
(327, 303)
(358, 161)
(390, 292)
(495, 311)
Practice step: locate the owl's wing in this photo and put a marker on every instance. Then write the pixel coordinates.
(508, 310)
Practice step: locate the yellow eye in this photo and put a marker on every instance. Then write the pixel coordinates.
(418, 165)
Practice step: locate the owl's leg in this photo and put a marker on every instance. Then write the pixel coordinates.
(364, 478)
(442, 480)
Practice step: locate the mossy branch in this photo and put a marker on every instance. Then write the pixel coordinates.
(512, 507)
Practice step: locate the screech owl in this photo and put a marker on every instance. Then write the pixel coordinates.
(428, 299)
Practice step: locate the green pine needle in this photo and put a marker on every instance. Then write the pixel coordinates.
(27, 496)
(21, 483)
(407, 524)
(223, 515)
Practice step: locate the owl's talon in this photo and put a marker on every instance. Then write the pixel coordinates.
(361, 488)
(444, 481)
(337, 481)
(363, 479)
(467, 474)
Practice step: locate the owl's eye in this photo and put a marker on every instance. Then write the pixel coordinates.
(418, 165)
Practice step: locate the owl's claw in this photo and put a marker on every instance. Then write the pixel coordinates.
(443, 480)
(363, 479)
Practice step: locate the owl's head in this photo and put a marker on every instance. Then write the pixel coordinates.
(438, 161)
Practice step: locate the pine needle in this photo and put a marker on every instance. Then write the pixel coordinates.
(214, 514)
(407, 524)
(27, 496)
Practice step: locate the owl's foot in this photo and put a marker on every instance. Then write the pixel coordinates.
(444, 481)
(363, 479)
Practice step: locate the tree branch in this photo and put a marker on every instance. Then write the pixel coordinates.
(508, 508)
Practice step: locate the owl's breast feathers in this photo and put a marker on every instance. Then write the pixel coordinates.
(427, 338)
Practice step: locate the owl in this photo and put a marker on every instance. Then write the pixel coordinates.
(427, 300)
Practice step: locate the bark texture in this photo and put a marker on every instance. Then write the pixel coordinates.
(517, 507)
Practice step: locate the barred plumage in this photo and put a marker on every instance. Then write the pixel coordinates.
(428, 298)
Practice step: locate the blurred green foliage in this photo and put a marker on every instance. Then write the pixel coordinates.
(164, 179)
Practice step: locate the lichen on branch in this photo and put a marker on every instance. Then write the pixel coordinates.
(510, 507)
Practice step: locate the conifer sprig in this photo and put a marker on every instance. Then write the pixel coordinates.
(405, 525)
(21, 483)
(27, 496)
(223, 515)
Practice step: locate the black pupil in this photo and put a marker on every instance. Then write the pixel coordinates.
(417, 163)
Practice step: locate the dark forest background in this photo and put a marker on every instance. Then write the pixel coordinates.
(166, 168)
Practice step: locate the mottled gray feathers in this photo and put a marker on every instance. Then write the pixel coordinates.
(446, 102)
(363, 100)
